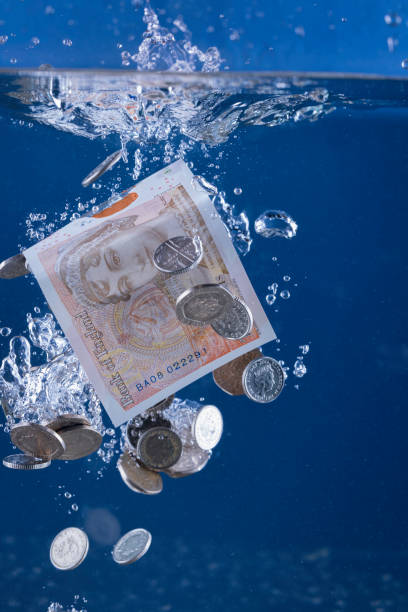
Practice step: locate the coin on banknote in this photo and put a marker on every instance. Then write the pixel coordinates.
(201, 304)
(69, 548)
(80, 441)
(229, 376)
(67, 420)
(132, 546)
(159, 448)
(263, 379)
(37, 440)
(193, 459)
(235, 321)
(25, 462)
(13, 267)
(137, 477)
(207, 427)
(178, 254)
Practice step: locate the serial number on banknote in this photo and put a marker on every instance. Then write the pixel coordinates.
(171, 368)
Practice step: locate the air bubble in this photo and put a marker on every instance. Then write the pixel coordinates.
(3, 39)
(75, 507)
(270, 298)
(237, 190)
(299, 368)
(35, 41)
(67, 495)
(285, 294)
(286, 278)
(67, 42)
(404, 64)
(13, 60)
(275, 223)
(392, 19)
(5, 331)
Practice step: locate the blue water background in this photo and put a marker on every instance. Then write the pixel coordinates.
(256, 35)
(323, 467)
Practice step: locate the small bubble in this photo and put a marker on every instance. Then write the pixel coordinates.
(67, 42)
(392, 19)
(74, 507)
(270, 298)
(299, 368)
(49, 10)
(404, 64)
(5, 331)
(3, 39)
(286, 278)
(237, 190)
(13, 60)
(274, 259)
(36, 309)
(67, 495)
(35, 41)
(285, 294)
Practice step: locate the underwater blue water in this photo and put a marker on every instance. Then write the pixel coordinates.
(303, 505)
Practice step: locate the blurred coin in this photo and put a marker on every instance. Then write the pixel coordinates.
(137, 477)
(229, 376)
(37, 440)
(132, 546)
(263, 379)
(207, 427)
(67, 420)
(80, 441)
(69, 548)
(235, 321)
(13, 267)
(193, 459)
(201, 304)
(107, 164)
(178, 254)
(159, 448)
(25, 462)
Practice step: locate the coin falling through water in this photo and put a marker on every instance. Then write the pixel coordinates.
(178, 254)
(80, 441)
(37, 440)
(137, 477)
(132, 546)
(229, 376)
(159, 448)
(13, 267)
(207, 427)
(201, 304)
(235, 322)
(69, 548)
(103, 167)
(25, 462)
(263, 379)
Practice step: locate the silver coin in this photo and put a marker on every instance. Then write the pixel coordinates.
(159, 448)
(137, 477)
(67, 420)
(103, 167)
(37, 440)
(132, 546)
(13, 267)
(178, 254)
(25, 462)
(263, 379)
(69, 548)
(235, 321)
(80, 441)
(193, 459)
(207, 427)
(201, 304)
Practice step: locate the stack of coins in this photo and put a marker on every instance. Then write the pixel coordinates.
(159, 443)
(259, 377)
(202, 305)
(68, 437)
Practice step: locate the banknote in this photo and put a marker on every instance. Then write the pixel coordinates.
(118, 310)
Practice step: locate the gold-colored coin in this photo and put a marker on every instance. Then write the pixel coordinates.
(229, 376)
(37, 440)
(137, 477)
(80, 441)
(159, 448)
